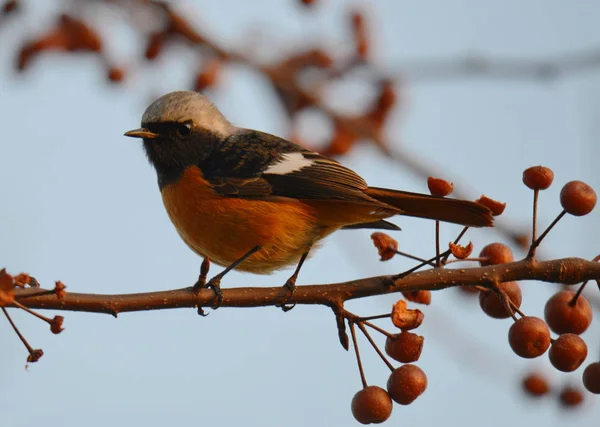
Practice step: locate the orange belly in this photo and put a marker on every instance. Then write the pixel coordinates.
(226, 228)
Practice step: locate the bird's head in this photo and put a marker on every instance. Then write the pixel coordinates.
(181, 129)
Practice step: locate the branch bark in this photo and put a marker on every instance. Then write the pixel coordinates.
(566, 271)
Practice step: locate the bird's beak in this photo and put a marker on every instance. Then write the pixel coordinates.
(141, 133)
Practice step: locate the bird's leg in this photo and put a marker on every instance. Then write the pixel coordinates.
(290, 284)
(215, 282)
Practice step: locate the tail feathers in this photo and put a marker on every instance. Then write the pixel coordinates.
(439, 208)
(375, 225)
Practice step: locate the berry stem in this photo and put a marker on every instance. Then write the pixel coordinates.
(579, 291)
(37, 293)
(375, 317)
(378, 329)
(506, 302)
(416, 267)
(536, 194)
(357, 352)
(478, 259)
(537, 242)
(21, 337)
(366, 333)
(30, 311)
(416, 258)
(515, 308)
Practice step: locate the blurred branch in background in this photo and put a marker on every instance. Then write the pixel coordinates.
(288, 76)
(480, 65)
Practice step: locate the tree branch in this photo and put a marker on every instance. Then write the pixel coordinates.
(566, 271)
(469, 66)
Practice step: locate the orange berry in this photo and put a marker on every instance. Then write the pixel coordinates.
(459, 251)
(59, 289)
(439, 187)
(116, 75)
(420, 297)
(385, 244)
(406, 383)
(371, 405)
(564, 318)
(495, 206)
(591, 378)
(496, 253)
(56, 324)
(7, 288)
(571, 396)
(529, 337)
(404, 347)
(535, 385)
(405, 318)
(23, 279)
(538, 177)
(568, 352)
(35, 355)
(492, 305)
(578, 198)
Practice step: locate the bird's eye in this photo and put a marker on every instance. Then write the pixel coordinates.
(184, 129)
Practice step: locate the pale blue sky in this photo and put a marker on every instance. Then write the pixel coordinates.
(81, 205)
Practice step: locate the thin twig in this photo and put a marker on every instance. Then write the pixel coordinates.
(418, 266)
(357, 352)
(413, 257)
(21, 337)
(375, 317)
(537, 242)
(40, 292)
(33, 313)
(378, 329)
(375, 347)
(516, 308)
(536, 194)
(506, 302)
(454, 261)
(576, 296)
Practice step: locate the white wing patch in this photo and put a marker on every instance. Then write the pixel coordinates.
(291, 162)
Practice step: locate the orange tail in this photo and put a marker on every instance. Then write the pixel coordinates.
(424, 206)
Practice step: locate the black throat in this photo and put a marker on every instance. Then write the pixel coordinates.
(171, 153)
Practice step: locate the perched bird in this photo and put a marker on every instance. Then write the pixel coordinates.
(256, 202)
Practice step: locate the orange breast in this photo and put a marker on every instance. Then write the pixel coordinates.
(225, 228)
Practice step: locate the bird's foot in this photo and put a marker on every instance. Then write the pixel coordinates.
(290, 288)
(215, 285)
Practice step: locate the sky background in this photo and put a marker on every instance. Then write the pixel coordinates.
(80, 204)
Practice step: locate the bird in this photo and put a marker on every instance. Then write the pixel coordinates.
(258, 203)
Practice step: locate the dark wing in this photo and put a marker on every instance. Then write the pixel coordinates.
(253, 164)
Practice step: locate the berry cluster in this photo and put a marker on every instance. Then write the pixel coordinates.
(406, 383)
(567, 313)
